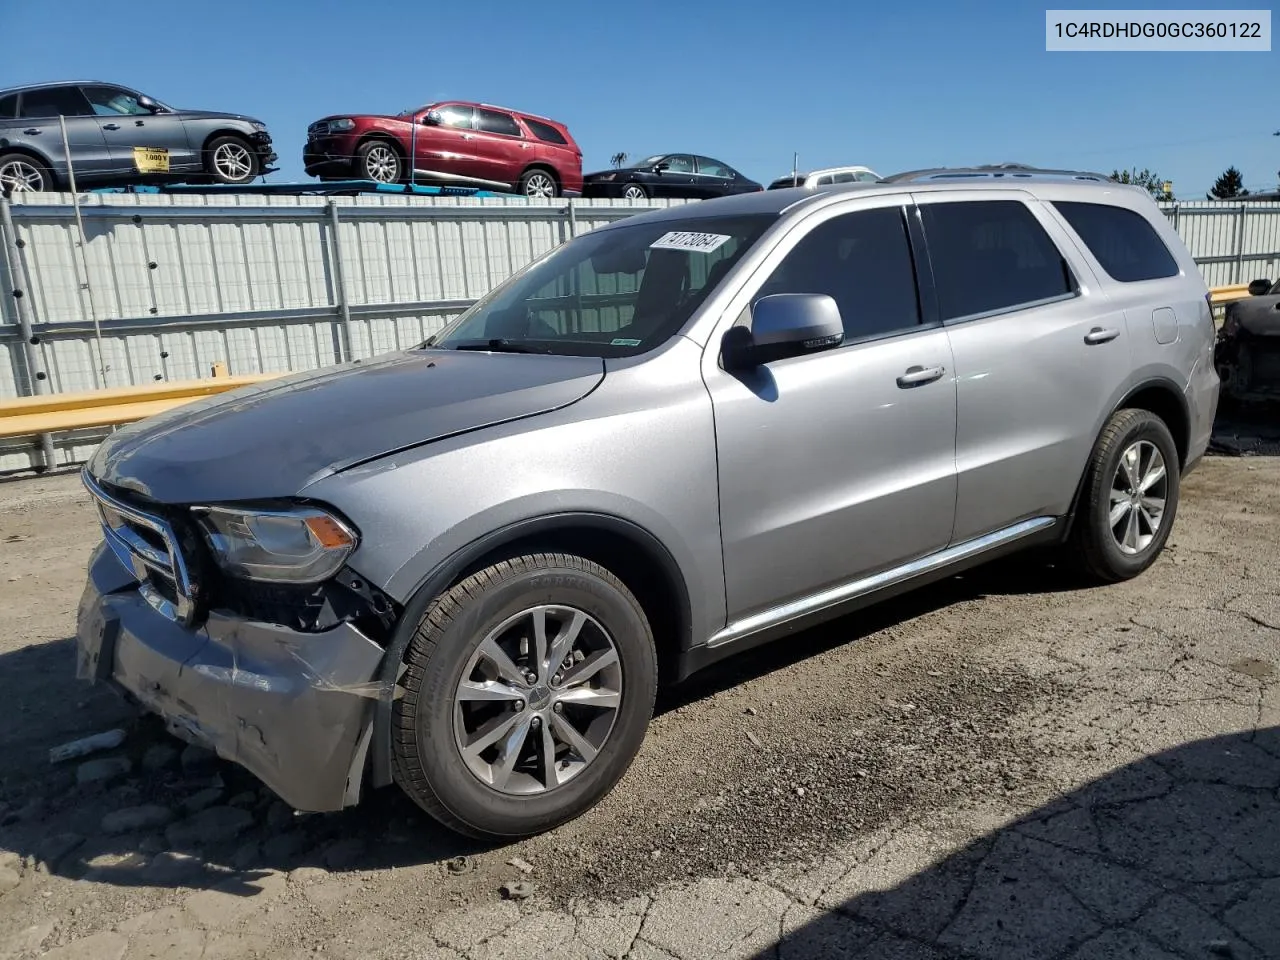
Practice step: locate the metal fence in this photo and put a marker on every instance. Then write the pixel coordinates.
(164, 286)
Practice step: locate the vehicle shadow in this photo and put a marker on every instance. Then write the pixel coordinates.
(1246, 430)
(153, 813)
(1175, 855)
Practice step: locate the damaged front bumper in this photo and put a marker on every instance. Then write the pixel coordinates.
(295, 709)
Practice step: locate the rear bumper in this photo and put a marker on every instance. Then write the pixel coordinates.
(294, 709)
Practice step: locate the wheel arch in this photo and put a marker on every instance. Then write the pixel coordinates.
(224, 132)
(1157, 395)
(633, 553)
(545, 168)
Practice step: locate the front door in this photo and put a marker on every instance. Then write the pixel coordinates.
(1039, 353)
(676, 178)
(840, 463)
(138, 140)
(447, 147)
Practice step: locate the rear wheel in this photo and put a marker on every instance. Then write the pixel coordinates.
(231, 160)
(635, 192)
(20, 173)
(538, 183)
(1130, 498)
(527, 692)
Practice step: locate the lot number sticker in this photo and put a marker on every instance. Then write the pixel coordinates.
(683, 240)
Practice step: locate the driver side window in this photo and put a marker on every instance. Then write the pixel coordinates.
(678, 164)
(863, 261)
(113, 102)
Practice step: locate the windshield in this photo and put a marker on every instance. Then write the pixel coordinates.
(609, 293)
(650, 161)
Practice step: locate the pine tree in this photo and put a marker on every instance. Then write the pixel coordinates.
(1228, 186)
(1149, 181)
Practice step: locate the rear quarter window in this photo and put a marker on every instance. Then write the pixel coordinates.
(1126, 246)
(545, 132)
(9, 107)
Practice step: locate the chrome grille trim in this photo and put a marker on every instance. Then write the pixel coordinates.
(143, 559)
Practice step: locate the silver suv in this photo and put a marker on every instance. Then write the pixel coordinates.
(466, 567)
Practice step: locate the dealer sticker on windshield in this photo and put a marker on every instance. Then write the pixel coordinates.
(684, 240)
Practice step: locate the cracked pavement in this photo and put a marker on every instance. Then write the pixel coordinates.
(1002, 766)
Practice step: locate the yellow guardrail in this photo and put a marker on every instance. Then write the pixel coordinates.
(58, 412)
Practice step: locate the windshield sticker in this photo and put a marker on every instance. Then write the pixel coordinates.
(624, 342)
(684, 240)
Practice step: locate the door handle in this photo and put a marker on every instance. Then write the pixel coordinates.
(111, 126)
(468, 136)
(917, 376)
(1098, 335)
(32, 131)
(138, 123)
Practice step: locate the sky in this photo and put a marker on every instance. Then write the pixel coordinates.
(894, 87)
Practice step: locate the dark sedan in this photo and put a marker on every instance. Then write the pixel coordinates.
(117, 136)
(683, 175)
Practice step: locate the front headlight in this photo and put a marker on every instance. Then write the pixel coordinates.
(302, 545)
(338, 126)
(259, 126)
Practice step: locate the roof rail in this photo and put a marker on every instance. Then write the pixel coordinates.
(992, 170)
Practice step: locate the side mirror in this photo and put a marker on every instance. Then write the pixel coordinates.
(659, 167)
(1259, 288)
(784, 325)
(146, 103)
(432, 118)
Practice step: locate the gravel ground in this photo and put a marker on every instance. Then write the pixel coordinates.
(1002, 765)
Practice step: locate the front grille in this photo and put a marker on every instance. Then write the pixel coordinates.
(318, 129)
(148, 546)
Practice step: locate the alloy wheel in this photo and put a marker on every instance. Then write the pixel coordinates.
(537, 700)
(233, 161)
(634, 193)
(382, 164)
(1138, 492)
(539, 185)
(19, 176)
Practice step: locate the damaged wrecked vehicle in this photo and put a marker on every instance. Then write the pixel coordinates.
(465, 568)
(1247, 353)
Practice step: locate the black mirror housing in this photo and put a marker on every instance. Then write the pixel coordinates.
(1259, 288)
(146, 103)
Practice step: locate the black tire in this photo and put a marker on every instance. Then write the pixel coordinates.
(637, 188)
(540, 176)
(15, 165)
(231, 159)
(1093, 545)
(427, 762)
(379, 160)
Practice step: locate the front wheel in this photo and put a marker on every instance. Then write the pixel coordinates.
(1130, 497)
(527, 692)
(379, 161)
(231, 160)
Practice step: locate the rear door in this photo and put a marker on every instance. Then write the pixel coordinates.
(39, 110)
(501, 148)
(138, 140)
(713, 179)
(1039, 352)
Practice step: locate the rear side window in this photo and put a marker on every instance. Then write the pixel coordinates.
(863, 261)
(55, 102)
(1126, 245)
(9, 107)
(991, 255)
(545, 132)
(491, 121)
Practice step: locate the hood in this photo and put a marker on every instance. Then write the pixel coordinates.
(216, 115)
(271, 440)
(617, 171)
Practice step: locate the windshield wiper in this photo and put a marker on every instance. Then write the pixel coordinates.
(498, 345)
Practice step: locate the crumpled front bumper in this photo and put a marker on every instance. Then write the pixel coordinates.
(295, 709)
